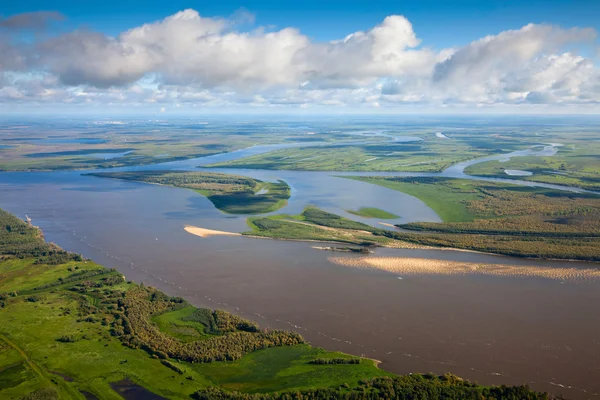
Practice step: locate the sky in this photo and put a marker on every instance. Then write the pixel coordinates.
(497, 56)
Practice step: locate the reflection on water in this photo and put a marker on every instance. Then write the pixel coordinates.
(493, 330)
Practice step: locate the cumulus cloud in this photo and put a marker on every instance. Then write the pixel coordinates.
(189, 59)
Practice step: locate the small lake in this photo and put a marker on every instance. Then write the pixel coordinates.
(517, 172)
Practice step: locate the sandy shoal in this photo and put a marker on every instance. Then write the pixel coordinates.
(202, 232)
(420, 266)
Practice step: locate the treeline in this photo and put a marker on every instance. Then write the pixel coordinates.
(136, 330)
(334, 361)
(219, 322)
(82, 275)
(519, 226)
(517, 246)
(407, 387)
(21, 240)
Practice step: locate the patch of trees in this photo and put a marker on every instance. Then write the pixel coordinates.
(135, 329)
(21, 240)
(82, 276)
(218, 322)
(172, 366)
(68, 339)
(406, 387)
(334, 361)
(517, 246)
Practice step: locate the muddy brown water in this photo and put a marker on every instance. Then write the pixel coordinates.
(489, 329)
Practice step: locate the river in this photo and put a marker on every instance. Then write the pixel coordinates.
(489, 329)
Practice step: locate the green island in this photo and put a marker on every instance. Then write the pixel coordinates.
(72, 329)
(372, 212)
(231, 194)
(504, 219)
(315, 225)
(419, 156)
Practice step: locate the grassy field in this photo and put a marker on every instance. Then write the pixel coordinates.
(446, 197)
(372, 212)
(232, 194)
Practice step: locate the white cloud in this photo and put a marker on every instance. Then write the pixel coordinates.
(187, 59)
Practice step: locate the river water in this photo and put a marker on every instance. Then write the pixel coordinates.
(489, 329)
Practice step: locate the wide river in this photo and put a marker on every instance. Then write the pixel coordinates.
(489, 329)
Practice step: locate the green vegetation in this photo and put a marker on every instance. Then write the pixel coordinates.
(502, 218)
(410, 387)
(372, 212)
(59, 145)
(232, 194)
(420, 156)
(317, 225)
(576, 164)
(445, 196)
(323, 218)
(77, 330)
(23, 240)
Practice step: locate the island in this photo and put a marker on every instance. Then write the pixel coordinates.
(232, 194)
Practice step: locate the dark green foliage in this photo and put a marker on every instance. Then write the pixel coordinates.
(82, 275)
(172, 366)
(237, 338)
(407, 387)
(19, 239)
(330, 361)
(68, 339)
(516, 246)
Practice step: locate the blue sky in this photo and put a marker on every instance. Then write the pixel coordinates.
(439, 23)
(407, 55)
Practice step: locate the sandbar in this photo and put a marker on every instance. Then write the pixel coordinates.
(202, 232)
(420, 266)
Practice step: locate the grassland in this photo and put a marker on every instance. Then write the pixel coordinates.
(77, 330)
(232, 194)
(372, 212)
